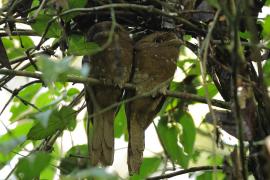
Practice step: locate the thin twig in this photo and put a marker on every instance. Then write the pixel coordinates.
(21, 99)
(16, 92)
(237, 67)
(18, 32)
(190, 170)
(203, 62)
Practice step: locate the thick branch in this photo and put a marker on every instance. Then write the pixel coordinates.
(92, 81)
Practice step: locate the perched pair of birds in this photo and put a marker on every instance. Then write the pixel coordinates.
(148, 64)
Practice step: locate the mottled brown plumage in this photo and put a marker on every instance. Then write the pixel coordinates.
(111, 65)
(155, 63)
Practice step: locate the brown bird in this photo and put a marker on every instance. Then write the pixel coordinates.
(154, 66)
(112, 65)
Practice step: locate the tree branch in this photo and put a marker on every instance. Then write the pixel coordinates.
(92, 81)
(149, 9)
(19, 32)
(193, 169)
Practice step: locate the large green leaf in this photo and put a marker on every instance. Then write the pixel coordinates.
(178, 137)
(49, 122)
(41, 23)
(169, 134)
(30, 167)
(78, 46)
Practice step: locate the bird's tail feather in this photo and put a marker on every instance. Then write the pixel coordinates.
(136, 144)
(102, 143)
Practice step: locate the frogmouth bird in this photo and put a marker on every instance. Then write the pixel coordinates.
(155, 57)
(112, 65)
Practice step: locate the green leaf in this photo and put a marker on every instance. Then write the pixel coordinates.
(78, 46)
(16, 47)
(266, 27)
(30, 69)
(14, 138)
(190, 66)
(120, 123)
(266, 70)
(26, 42)
(78, 150)
(52, 71)
(91, 173)
(212, 90)
(214, 3)
(18, 108)
(148, 167)
(7, 146)
(209, 176)
(57, 120)
(44, 99)
(30, 167)
(44, 117)
(189, 132)
(187, 37)
(76, 3)
(71, 163)
(177, 138)
(50, 171)
(170, 136)
(35, 3)
(29, 92)
(40, 24)
(73, 91)
(245, 35)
